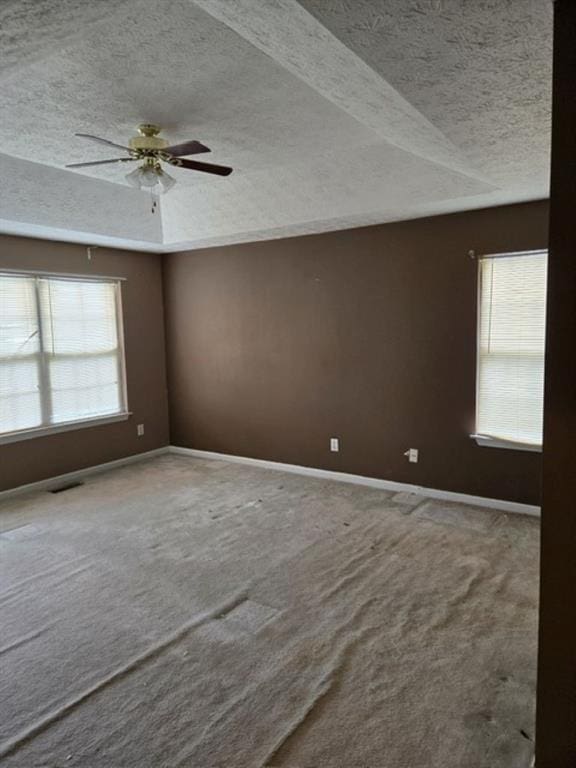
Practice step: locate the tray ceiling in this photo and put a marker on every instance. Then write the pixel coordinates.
(332, 114)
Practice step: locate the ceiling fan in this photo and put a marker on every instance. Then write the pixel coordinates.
(153, 150)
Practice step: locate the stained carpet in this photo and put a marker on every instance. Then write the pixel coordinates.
(181, 612)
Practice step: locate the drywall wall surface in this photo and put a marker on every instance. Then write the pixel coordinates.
(368, 335)
(43, 457)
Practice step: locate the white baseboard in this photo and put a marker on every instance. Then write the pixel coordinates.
(79, 474)
(325, 474)
(372, 482)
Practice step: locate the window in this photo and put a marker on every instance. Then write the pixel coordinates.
(61, 353)
(511, 341)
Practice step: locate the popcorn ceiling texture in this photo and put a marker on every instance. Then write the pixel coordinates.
(31, 29)
(332, 114)
(224, 616)
(287, 33)
(480, 71)
(68, 202)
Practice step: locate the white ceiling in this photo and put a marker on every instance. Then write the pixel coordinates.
(333, 114)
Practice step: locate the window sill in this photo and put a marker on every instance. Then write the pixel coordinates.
(494, 442)
(30, 434)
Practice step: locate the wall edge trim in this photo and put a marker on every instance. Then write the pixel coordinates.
(78, 474)
(372, 482)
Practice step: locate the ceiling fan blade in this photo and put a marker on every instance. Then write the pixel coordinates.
(187, 148)
(194, 165)
(101, 141)
(102, 162)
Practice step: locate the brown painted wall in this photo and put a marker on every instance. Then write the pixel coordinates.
(366, 334)
(32, 460)
(556, 711)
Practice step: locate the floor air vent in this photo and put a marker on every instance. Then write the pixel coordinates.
(67, 487)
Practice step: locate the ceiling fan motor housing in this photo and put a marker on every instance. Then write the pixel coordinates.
(148, 139)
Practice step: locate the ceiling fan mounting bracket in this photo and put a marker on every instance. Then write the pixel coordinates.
(148, 129)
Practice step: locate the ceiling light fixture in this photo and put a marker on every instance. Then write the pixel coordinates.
(153, 150)
(150, 175)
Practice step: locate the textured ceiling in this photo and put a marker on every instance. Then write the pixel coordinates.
(333, 114)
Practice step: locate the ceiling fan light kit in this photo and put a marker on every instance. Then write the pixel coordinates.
(153, 150)
(150, 175)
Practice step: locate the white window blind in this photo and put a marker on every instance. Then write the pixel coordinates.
(511, 344)
(61, 351)
(19, 355)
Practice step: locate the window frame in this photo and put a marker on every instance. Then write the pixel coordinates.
(487, 441)
(81, 423)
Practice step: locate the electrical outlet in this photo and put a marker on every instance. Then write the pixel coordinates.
(412, 454)
(334, 444)
(140, 430)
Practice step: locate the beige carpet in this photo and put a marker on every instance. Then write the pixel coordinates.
(180, 612)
